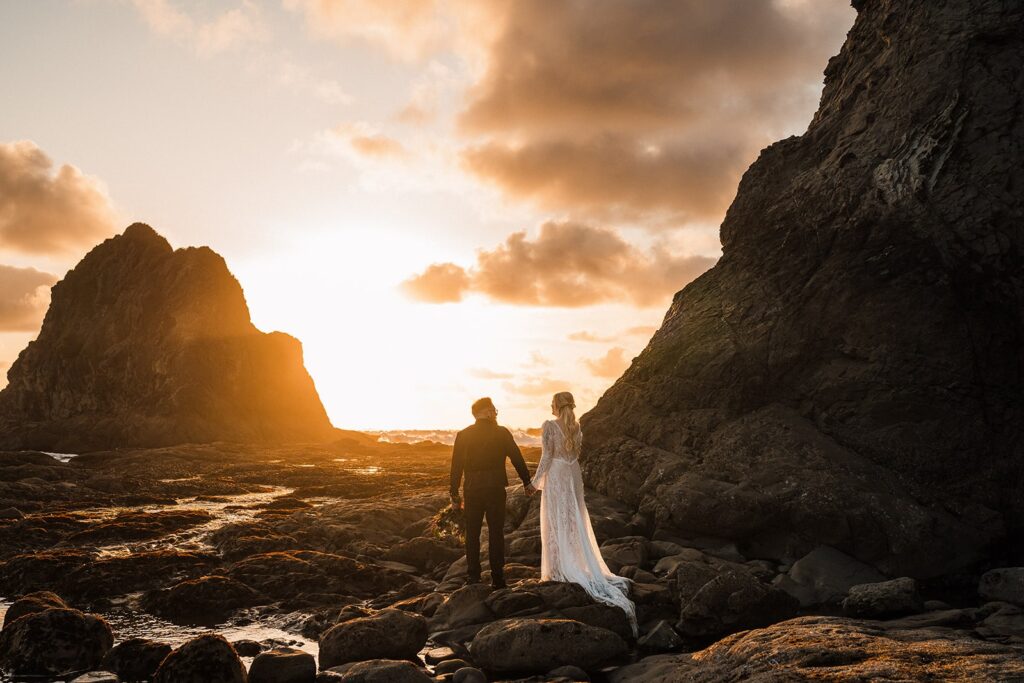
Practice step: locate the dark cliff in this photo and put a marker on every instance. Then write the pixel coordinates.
(850, 372)
(144, 345)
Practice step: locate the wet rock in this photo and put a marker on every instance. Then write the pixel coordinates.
(54, 641)
(467, 605)
(1004, 622)
(32, 603)
(569, 673)
(884, 599)
(619, 552)
(283, 665)
(450, 666)
(602, 616)
(507, 602)
(247, 647)
(469, 674)
(206, 601)
(291, 574)
(732, 601)
(206, 659)
(837, 648)
(438, 655)
(422, 553)
(97, 677)
(388, 634)
(824, 576)
(561, 594)
(1005, 584)
(136, 659)
(383, 671)
(535, 646)
(660, 638)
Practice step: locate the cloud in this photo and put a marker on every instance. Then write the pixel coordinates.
(24, 298)
(228, 30)
(612, 364)
(642, 108)
(47, 210)
(536, 386)
(484, 373)
(407, 29)
(639, 331)
(367, 141)
(569, 264)
(440, 283)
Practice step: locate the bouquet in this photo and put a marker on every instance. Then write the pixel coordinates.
(449, 525)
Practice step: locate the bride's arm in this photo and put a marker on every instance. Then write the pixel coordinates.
(540, 475)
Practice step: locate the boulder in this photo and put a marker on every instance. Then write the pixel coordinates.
(883, 599)
(388, 634)
(824, 576)
(383, 671)
(1005, 584)
(54, 641)
(660, 638)
(834, 648)
(537, 645)
(848, 373)
(206, 601)
(733, 601)
(205, 659)
(32, 603)
(136, 659)
(283, 665)
(467, 605)
(469, 674)
(620, 552)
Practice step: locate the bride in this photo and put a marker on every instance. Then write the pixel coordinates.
(569, 550)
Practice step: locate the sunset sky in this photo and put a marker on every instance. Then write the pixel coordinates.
(442, 200)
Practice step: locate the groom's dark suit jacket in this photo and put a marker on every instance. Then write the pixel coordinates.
(479, 452)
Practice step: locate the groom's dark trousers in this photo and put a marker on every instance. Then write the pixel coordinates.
(479, 454)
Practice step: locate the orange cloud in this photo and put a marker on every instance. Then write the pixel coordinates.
(226, 31)
(24, 298)
(612, 364)
(536, 386)
(440, 283)
(408, 29)
(368, 141)
(643, 107)
(47, 210)
(569, 264)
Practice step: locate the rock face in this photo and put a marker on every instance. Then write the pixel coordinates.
(144, 345)
(849, 374)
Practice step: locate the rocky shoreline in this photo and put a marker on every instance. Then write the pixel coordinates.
(333, 549)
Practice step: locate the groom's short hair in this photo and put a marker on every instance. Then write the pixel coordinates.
(482, 404)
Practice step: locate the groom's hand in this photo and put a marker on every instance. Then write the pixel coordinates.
(456, 503)
(530, 490)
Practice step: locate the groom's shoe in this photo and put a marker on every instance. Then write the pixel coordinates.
(472, 579)
(499, 584)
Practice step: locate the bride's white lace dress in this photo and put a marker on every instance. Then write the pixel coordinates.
(569, 548)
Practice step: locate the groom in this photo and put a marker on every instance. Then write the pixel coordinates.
(480, 451)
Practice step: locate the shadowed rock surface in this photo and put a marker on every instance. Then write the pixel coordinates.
(850, 373)
(144, 345)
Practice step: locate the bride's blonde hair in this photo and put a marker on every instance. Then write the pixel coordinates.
(564, 404)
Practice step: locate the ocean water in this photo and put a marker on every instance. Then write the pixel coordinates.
(523, 437)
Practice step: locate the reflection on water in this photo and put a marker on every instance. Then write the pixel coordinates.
(61, 457)
(225, 510)
(372, 469)
(129, 623)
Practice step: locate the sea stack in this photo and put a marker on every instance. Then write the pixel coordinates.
(145, 345)
(851, 372)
